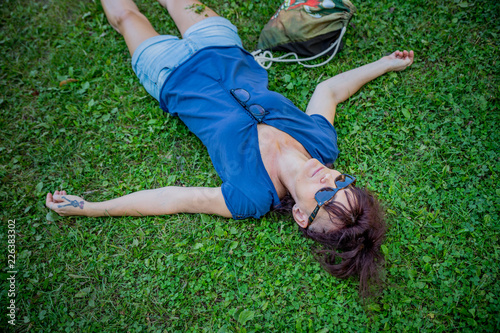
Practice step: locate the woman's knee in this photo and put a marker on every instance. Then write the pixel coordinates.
(126, 17)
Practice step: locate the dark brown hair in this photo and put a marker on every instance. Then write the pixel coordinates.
(353, 249)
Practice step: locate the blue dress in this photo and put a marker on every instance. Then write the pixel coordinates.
(221, 94)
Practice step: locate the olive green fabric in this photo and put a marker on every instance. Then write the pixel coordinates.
(298, 21)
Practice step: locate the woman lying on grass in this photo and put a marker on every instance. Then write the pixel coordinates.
(265, 150)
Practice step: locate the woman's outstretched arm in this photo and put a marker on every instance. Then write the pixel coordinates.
(162, 201)
(337, 89)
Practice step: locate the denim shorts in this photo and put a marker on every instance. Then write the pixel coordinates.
(158, 56)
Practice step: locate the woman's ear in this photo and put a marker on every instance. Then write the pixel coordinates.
(300, 217)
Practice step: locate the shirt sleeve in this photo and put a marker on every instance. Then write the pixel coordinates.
(240, 206)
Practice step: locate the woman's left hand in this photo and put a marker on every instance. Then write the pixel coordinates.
(64, 204)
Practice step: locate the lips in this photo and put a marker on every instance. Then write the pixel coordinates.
(315, 172)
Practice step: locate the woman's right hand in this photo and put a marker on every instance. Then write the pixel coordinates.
(64, 204)
(400, 60)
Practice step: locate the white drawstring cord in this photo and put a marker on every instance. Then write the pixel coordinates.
(266, 59)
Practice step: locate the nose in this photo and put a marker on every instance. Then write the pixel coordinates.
(329, 178)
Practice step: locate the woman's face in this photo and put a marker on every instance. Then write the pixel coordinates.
(313, 177)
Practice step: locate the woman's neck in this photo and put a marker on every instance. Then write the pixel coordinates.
(289, 164)
(283, 157)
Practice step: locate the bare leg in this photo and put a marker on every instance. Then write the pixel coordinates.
(125, 17)
(186, 12)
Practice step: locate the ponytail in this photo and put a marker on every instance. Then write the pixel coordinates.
(353, 249)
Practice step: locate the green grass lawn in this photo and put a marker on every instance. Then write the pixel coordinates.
(426, 140)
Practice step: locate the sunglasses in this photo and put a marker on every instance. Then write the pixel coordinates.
(326, 194)
(256, 110)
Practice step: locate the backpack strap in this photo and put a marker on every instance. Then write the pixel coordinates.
(266, 59)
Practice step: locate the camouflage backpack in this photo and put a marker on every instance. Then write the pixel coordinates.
(306, 28)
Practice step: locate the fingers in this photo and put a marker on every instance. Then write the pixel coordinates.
(407, 54)
(52, 199)
(57, 197)
(49, 200)
(411, 55)
(400, 60)
(404, 54)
